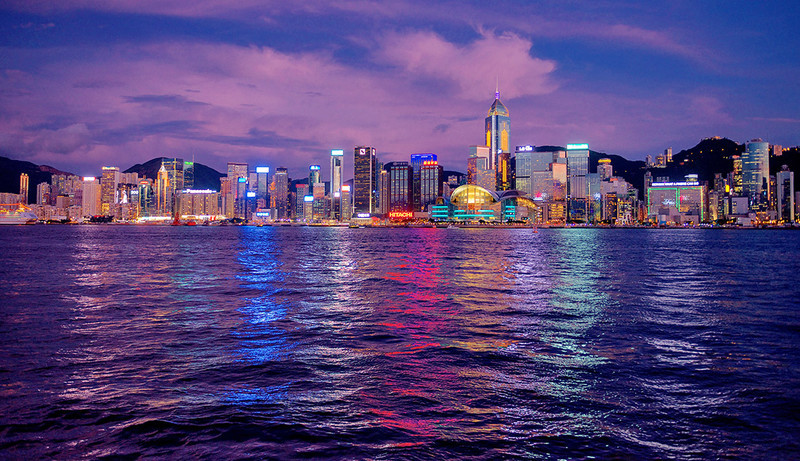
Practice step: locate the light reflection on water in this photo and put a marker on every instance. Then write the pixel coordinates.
(364, 343)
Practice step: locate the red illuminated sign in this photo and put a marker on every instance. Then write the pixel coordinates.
(401, 214)
(430, 163)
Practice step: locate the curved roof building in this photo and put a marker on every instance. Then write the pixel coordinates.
(471, 202)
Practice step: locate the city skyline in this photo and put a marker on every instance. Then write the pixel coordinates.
(90, 84)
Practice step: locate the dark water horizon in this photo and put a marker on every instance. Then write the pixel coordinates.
(314, 342)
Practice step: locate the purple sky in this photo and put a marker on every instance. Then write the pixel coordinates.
(86, 83)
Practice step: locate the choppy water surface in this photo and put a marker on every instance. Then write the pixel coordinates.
(398, 343)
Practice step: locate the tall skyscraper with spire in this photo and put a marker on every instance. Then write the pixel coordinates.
(498, 126)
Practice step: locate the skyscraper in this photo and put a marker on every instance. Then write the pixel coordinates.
(755, 174)
(498, 126)
(163, 199)
(577, 181)
(337, 155)
(90, 201)
(400, 187)
(280, 195)
(364, 180)
(431, 184)
(108, 189)
(262, 186)
(417, 161)
(24, 185)
(236, 196)
(785, 194)
(188, 174)
(314, 175)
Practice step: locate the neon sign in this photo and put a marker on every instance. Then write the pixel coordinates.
(314, 167)
(251, 194)
(337, 152)
(262, 169)
(308, 198)
(524, 148)
(401, 214)
(577, 146)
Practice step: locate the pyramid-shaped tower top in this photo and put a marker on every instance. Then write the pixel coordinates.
(498, 108)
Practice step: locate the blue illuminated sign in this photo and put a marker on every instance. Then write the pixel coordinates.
(242, 179)
(308, 198)
(314, 167)
(251, 194)
(262, 169)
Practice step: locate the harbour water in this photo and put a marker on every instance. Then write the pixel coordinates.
(283, 343)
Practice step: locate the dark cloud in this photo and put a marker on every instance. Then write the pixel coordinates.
(169, 100)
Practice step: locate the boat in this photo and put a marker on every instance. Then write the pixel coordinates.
(16, 213)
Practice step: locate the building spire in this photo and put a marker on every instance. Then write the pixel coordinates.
(497, 87)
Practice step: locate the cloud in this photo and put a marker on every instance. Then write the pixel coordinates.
(169, 100)
(474, 68)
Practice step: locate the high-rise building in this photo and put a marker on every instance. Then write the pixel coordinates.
(90, 201)
(417, 161)
(498, 127)
(108, 189)
(364, 180)
(163, 196)
(736, 175)
(24, 185)
(147, 199)
(337, 155)
(280, 194)
(668, 155)
(236, 200)
(383, 194)
(577, 181)
(300, 199)
(524, 168)
(431, 178)
(188, 174)
(785, 194)
(314, 175)
(400, 187)
(262, 186)
(605, 169)
(755, 174)
(43, 193)
(346, 200)
(503, 171)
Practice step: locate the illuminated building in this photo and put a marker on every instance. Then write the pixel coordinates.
(108, 189)
(279, 195)
(365, 174)
(337, 156)
(577, 182)
(755, 174)
(24, 185)
(174, 168)
(42, 193)
(480, 170)
(314, 175)
(146, 198)
(431, 179)
(188, 174)
(736, 179)
(235, 198)
(668, 155)
(163, 197)
(199, 202)
(346, 201)
(473, 203)
(307, 207)
(300, 196)
(417, 160)
(498, 126)
(262, 185)
(785, 194)
(90, 201)
(503, 171)
(400, 187)
(678, 202)
(383, 196)
(605, 169)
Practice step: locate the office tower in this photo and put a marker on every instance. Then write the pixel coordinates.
(236, 198)
(262, 186)
(785, 194)
(431, 179)
(736, 180)
(346, 203)
(90, 201)
(668, 155)
(188, 174)
(364, 180)
(777, 150)
(174, 168)
(163, 197)
(108, 189)
(417, 161)
(300, 197)
(478, 160)
(498, 126)
(314, 175)
(605, 169)
(24, 185)
(280, 195)
(577, 181)
(755, 174)
(383, 195)
(318, 190)
(308, 207)
(42, 193)
(680, 202)
(147, 199)
(524, 168)
(400, 187)
(503, 171)
(337, 156)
